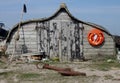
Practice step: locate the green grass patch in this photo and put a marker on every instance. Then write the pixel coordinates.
(6, 75)
(105, 63)
(1, 63)
(29, 75)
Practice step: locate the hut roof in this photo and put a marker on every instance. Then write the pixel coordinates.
(64, 8)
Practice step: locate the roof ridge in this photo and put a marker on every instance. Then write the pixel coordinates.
(63, 5)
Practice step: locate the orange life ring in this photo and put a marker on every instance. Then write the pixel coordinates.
(95, 37)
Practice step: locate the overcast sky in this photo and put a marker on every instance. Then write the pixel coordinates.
(102, 12)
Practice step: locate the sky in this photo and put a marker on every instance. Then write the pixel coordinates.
(102, 12)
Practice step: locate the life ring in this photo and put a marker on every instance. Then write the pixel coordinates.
(95, 37)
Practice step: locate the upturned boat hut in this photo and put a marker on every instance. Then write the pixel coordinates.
(61, 35)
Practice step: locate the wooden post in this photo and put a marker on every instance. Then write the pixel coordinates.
(82, 46)
(60, 43)
(60, 48)
(17, 36)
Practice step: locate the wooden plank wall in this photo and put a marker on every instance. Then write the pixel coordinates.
(27, 40)
(108, 47)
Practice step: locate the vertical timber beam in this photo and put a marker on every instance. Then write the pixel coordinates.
(60, 42)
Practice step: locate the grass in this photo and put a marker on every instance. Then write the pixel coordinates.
(105, 63)
(49, 76)
(2, 64)
(25, 76)
(108, 77)
(7, 76)
(12, 76)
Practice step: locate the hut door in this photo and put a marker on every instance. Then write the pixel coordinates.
(64, 43)
(76, 44)
(70, 44)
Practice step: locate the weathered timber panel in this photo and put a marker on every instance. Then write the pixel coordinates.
(108, 47)
(27, 39)
(62, 16)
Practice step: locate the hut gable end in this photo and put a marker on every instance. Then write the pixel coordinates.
(60, 35)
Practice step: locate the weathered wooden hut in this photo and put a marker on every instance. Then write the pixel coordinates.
(61, 35)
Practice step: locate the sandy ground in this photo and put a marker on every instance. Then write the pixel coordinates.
(50, 76)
